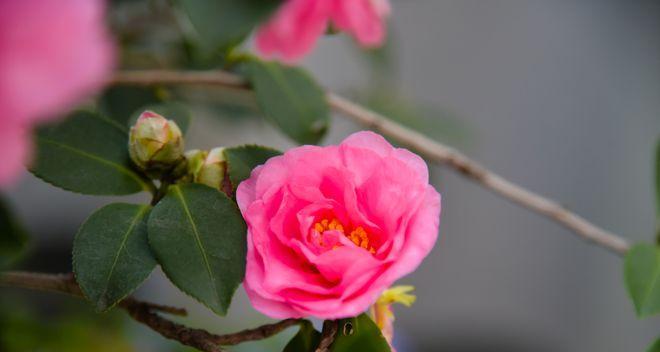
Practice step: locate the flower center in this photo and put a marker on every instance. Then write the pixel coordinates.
(358, 235)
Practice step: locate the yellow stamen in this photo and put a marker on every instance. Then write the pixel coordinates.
(358, 236)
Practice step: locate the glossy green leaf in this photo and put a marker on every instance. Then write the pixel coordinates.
(174, 111)
(86, 153)
(13, 238)
(306, 340)
(199, 238)
(220, 24)
(111, 255)
(242, 159)
(655, 347)
(291, 99)
(359, 334)
(642, 277)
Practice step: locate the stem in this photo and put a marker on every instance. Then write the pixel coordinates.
(146, 313)
(151, 187)
(161, 192)
(328, 334)
(428, 148)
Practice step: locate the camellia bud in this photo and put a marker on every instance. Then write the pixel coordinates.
(212, 170)
(195, 159)
(155, 143)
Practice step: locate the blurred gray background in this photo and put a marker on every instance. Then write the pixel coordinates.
(560, 96)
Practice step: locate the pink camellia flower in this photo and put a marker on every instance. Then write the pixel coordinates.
(293, 30)
(330, 228)
(52, 54)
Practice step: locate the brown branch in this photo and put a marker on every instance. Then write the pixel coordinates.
(165, 77)
(428, 148)
(259, 333)
(145, 313)
(328, 334)
(197, 338)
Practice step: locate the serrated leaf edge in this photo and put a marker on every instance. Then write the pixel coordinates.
(75, 274)
(223, 310)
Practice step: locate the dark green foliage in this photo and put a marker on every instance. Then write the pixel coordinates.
(221, 24)
(359, 334)
(642, 277)
(13, 238)
(87, 153)
(111, 255)
(199, 238)
(242, 159)
(291, 99)
(306, 340)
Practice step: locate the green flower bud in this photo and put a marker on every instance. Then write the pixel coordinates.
(195, 159)
(155, 143)
(211, 171)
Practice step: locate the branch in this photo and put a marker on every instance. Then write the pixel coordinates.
(145, 313)
(328, 334)
(428, 148)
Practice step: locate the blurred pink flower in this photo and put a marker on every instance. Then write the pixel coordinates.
(330, 228)
(294, 28)
(53, 53)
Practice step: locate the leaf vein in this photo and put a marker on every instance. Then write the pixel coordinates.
(198, 240)
(134, 222)
(99, 159)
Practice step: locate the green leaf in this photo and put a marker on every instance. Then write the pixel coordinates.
(199, 238)
(306, 340)
(175, 111)
(642, 277)
(291, 99)
(121, 102)
(13, 238)
(655, 347)
(220, 24)
(111, 255)
(242, 159)
(359, 334)
(87, 153)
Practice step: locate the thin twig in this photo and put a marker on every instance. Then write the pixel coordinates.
(66, 283)
(197, 338)
(328, 334)
(167, 77)
(440, 153)
(428, 148)
(145, 313)
(259, 333)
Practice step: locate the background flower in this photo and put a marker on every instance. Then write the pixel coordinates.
(296, 26)
(329, 228)
(52, 54)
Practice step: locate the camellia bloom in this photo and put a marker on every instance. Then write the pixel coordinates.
(295, 27)
(52, 54)
(330, 228)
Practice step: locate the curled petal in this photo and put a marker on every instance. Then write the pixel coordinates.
(330, 228)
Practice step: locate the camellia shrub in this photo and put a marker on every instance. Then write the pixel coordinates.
(94, 102)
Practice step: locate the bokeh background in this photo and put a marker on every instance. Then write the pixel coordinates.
(562, 97)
